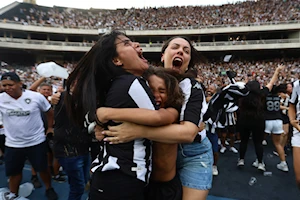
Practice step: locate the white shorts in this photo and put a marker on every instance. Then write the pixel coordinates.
(274, 126)
(296, 140)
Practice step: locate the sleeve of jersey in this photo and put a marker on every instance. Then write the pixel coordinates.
(141, 94)
(130, 88)
(194, 102)
(265, 91)
(43, 103)
(295, 93)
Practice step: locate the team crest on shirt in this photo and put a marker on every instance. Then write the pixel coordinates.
(27, 100)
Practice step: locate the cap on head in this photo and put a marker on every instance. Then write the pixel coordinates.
(10, 76)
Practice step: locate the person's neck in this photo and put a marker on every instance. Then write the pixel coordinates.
(17, 96)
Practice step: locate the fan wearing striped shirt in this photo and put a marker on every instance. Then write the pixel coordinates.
(164, 184)
(109, 75)
(194, 155)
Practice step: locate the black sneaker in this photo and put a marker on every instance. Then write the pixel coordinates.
(51, 194)
(59, 179)
(62, 173)
(35, 181)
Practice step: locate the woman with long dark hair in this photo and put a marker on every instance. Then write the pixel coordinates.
(194, 159)
(109, 75)
(252, 119)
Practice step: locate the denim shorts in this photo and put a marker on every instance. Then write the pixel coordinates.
(194, 164)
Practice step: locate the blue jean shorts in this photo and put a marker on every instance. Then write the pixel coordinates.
(194, 164)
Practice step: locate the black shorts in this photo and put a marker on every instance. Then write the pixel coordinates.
(115, 185)
(171, 190)
(2, 143)
(285, 119)
(15, 158)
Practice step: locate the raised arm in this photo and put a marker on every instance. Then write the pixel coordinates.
(274, 77)
(138, 115)
(37, 83)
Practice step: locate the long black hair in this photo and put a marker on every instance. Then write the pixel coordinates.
(253, 104)
(87, 85)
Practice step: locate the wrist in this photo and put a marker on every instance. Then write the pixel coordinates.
(98, 122)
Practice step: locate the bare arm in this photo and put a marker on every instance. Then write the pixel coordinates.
(185, 132)
(37, 83)
(292, 117)
(50, 120)
(138, 115)
(274, 77)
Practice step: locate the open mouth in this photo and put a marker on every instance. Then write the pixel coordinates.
(158, 103)
(177, 62)
(140, 54)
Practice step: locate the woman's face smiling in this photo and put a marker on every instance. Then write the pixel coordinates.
(159, 90)
(177, 55)
(130, 56)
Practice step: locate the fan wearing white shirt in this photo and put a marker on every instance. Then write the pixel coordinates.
(25, 134)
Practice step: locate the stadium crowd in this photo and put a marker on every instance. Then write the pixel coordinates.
(212, 73)
(184, 17)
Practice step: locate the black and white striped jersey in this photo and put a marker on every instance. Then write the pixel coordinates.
(295, 99)
(230, 110)
(132, 158)
(216, 108)
(194, 105)
(285, 102)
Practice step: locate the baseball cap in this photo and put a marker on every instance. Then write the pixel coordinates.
(10, 76)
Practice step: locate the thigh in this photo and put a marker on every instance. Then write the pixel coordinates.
(276, 139)
(193, 194)
(14, 160)
(37, 156)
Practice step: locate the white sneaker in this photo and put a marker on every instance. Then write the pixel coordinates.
(11, 196)
(223, 149)
(255, 163)
(241, 163)
(264, 142)
(226, 143)
(233, 149)
(283, 167)
(261, 166)
(215, 170)
(219, 141)
(237, 141)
